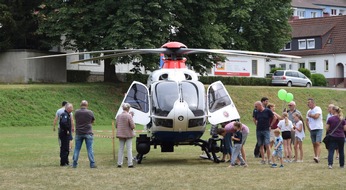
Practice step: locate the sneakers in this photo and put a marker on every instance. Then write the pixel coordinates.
(316, 159)
(300, 161)
(281, 166)
(131, 166)
(93, 166)
(263, 162)
(330, 167)
(119, 166)
(244, 165)
(274, 165)
(270, 162)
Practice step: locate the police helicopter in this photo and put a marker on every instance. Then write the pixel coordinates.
(173, 104)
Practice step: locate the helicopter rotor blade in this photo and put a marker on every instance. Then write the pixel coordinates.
(117, 51)
(132, 52)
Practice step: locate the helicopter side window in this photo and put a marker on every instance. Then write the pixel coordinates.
(188, 77)
(138, 99)
(193, 94)
(218, 98)
(166, 93)
(163, 76)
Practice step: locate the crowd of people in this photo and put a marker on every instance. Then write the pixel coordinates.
(276, 134)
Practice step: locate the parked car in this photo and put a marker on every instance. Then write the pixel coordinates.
(290, 78)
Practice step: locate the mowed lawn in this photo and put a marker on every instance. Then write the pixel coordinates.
(29, 152)
(29, 158)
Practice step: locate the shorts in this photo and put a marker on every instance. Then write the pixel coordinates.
(286, 135)
(243, 140)
(316, 135)
(298, 139)
(277, 153)
(263, 137)
(272, 135)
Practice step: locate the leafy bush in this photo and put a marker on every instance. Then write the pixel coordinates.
(275, 69)
(318, 80)
(306, 72)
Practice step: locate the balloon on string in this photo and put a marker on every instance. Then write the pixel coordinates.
(282, 94)
(289, 97)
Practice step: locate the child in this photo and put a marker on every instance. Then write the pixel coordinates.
(299, 128)
(286, 127)
(237, 144)
(277, 148)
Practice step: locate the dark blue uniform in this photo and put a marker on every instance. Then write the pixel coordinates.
(64, 135)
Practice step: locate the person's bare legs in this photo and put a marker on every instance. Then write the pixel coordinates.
(268, 151)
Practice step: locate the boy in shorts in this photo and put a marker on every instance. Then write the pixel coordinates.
(277, 148)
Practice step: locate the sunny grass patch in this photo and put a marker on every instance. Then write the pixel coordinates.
(30, 160)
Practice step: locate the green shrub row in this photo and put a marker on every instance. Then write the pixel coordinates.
(77, 76)
(244, 81)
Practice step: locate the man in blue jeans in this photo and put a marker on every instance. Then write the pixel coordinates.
(84, 119)
(262, 119)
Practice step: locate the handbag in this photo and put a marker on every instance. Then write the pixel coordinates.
(326, 139)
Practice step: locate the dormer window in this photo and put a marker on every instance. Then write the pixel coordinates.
(311, 43)
(302, 44)
(288, 46)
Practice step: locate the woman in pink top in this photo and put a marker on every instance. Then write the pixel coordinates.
(229, 128)
(125, 127)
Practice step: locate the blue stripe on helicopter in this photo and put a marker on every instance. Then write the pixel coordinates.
(169, 136)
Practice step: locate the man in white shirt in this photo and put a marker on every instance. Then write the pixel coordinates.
(315, 126)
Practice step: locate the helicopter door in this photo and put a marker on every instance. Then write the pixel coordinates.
(220, 106)
(138, 97)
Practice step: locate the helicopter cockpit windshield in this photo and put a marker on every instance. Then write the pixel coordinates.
(193, 94)
(166, 93)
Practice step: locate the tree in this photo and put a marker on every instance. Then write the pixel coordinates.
(7, 27)
(20, 26)
(108, 25)
(259, 25)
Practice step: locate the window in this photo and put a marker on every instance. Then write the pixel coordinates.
(288, 46)
(312, 66)
(313, 14)
(301, 65)
(254, 67)
(272, 66)
(89, 56)
(326, 65)
(333, 12)
(283, 66)
(301, 13)
(302, 44)
(311, 43)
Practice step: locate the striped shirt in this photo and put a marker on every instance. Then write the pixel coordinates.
(124, 125)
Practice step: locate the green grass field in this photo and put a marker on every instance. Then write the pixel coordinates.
(29, 156)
